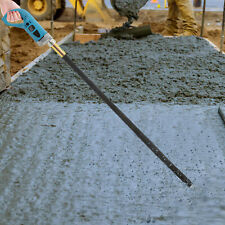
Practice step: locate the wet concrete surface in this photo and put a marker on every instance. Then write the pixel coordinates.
(128, 8)
(66, 160)
(154, 69)
(78, 164)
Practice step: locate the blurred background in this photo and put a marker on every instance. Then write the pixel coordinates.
(210, 4)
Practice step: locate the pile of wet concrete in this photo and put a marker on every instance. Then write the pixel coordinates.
(184, 70)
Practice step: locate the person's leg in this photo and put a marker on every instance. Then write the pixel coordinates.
(171, 28)
(186, 11)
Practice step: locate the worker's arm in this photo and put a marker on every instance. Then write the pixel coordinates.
(7, 5)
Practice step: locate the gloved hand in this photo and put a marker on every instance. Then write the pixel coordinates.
(7, 5)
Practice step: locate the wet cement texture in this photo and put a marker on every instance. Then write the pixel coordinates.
(63, 162)
(79, 164)
(128, 8)
(183, 70)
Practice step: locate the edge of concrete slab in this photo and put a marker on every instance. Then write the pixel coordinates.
(66, 39)
(221, 109)
(212, 44)
(221, 112)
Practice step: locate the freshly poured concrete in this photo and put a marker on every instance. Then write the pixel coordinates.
(154, 69)
(78, 164)
(128, 8)
(66, 160)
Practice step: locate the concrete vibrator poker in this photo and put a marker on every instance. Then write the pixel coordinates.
(39, 35)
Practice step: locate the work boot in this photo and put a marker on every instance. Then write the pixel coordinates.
(172, 20)
(188, 33)
(167, 32)
(187, 14)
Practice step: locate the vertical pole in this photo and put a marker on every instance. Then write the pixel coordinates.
(75, 20)
(165, 4)
(203, 18)
(52, 19)
(222, 32)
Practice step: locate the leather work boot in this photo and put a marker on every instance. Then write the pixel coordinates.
(189, 33)
(172, 19)
(167, 32)
(187, 14)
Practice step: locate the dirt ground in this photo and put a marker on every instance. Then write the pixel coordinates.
(24, 50)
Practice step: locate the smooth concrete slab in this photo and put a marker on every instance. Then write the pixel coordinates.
(79, 164)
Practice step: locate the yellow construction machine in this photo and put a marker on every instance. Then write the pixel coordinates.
(42, 9)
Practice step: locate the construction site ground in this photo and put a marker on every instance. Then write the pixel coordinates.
(24, 50)
(66, 158)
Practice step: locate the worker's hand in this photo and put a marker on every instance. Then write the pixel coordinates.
(7, 5)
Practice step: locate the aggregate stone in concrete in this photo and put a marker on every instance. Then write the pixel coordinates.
(184, 70)
(79, 164)
(128, 8)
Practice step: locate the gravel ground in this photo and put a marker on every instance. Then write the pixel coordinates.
(184, 70)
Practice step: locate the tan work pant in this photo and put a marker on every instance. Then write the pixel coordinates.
(184, 9)
(5, 78)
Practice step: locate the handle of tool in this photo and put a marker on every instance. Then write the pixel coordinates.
(123, 117)
(28, 23)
